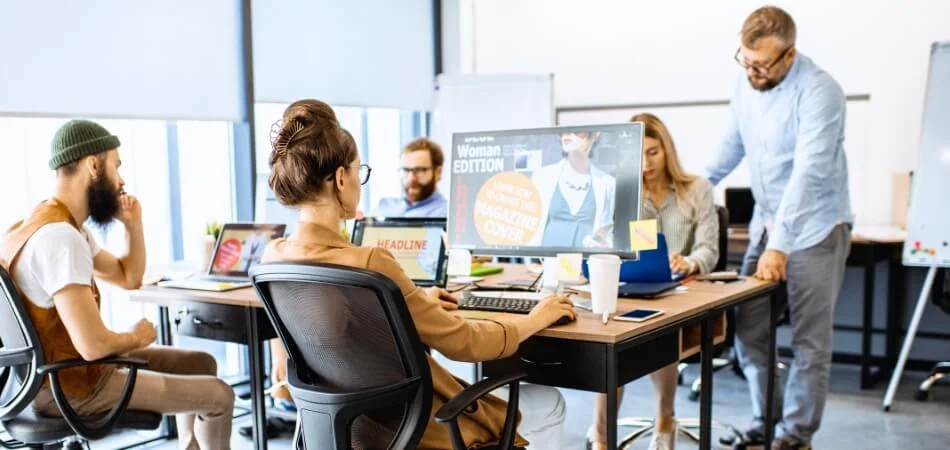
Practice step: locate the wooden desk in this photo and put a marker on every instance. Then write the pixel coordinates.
(585, 354)
(588, 355)
(869, 247)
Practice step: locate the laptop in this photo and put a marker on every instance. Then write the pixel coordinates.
(238, 248)
(648, 276)
(416, 243)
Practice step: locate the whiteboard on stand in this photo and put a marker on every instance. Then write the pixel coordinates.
(928, 220)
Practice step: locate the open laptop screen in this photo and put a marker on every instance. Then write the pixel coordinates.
(240, 247)
(415, 243)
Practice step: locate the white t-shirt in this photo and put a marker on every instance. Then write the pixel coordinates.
(56, 256)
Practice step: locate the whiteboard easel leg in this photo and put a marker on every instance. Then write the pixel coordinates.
(909, 339)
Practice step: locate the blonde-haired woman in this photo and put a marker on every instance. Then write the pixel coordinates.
(683, 206)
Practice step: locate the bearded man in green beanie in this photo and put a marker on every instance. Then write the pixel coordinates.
(55, 263)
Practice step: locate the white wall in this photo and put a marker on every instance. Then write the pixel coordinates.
(606, 52)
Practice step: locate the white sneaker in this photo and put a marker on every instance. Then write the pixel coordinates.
(664, 441)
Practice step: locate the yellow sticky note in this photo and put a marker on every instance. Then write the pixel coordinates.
(569, 266)
(643, 234)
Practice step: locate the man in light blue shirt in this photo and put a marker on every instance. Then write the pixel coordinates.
(421, 170)
(788, 120)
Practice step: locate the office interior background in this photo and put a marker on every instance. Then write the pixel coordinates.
(193, 87)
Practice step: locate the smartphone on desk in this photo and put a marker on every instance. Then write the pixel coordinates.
(639, 315)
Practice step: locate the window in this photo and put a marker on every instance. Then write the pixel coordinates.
(204, 157)
(380, 134)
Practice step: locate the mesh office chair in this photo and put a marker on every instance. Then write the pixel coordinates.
(643, 426)
(941, 372)
(22, 371)
(356, 367)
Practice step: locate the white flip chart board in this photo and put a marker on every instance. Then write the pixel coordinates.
(928, 220)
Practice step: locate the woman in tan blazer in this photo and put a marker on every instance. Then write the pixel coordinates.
(316, 168)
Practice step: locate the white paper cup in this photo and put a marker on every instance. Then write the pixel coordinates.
(604, 282)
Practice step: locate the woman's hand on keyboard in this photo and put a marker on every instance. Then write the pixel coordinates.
(551, 309)
(448, 300)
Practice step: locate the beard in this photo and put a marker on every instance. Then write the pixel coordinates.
(765, 84)
(103, 200)
(417, 192)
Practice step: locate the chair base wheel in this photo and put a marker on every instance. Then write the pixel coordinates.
(922, 396)
(693, 395)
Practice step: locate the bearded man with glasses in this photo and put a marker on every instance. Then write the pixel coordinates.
(787, 117)
(421, 171)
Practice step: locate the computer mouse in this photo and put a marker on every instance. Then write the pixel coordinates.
(564, 320)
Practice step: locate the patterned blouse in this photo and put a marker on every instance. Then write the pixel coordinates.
(696, 237)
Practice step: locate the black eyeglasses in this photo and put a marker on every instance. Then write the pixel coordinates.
(414, 170)
(759, 69)
(365, 171)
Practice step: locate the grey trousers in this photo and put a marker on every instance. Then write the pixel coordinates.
(815, 276)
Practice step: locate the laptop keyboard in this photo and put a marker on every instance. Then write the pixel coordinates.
(500, 301)
(221, 279)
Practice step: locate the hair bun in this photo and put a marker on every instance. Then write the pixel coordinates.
(313, 114)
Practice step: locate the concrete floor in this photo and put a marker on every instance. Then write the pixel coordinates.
(853, 418)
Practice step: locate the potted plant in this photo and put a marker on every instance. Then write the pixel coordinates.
(212, 231)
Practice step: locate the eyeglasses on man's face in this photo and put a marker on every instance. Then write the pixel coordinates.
(414, 171)
(760, 69)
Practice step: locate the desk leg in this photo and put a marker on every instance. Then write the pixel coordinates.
(256, 362)
(611, 397)
(867, 327)
(169, 427)
(897, 300)
(706, 377)
(770, 372)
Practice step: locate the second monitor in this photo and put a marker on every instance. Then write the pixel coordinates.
(544, 191)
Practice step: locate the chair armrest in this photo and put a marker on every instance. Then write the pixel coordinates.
(15, 356)
(97, 429)
(466, 400)
(463, 400)
(77, 362)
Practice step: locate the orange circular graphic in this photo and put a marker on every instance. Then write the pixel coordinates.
(507, 210)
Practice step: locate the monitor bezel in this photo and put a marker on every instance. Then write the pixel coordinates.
(542, 252)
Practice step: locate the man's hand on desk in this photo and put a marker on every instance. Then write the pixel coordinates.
(771, 266)
(448, 300)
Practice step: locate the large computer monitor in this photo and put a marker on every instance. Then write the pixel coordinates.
(544, 191)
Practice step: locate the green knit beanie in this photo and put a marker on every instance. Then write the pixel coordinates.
(78, 139)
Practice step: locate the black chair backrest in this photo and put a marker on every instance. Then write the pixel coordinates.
(20, 349)
(357, 368)
(723, 215)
